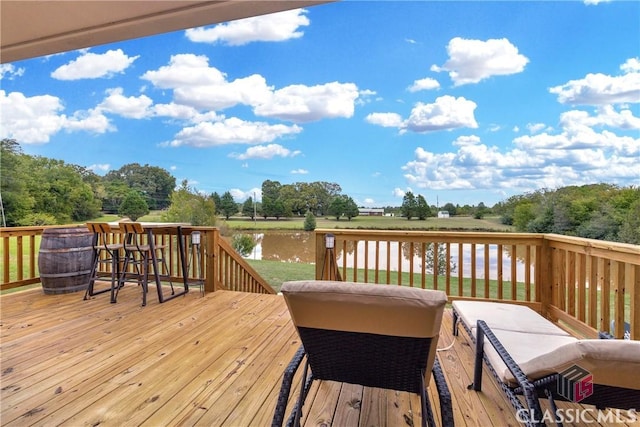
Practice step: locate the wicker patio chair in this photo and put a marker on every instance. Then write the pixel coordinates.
(371, 335)
(601, 372)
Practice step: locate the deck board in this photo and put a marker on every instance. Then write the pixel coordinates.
(215, 360)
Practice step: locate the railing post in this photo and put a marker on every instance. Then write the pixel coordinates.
(634, 300)
(544, 277)
(210, 264)
(320, 253)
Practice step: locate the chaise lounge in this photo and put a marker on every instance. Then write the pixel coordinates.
(371, 335)
(532, 358)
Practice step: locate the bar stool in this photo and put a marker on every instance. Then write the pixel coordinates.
(103, 253)
(148, 255)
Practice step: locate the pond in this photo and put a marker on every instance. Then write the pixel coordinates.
(299, 247)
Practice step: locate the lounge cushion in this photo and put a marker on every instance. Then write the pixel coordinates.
(366, 308)
(505, 316)
(610, 362)
(523, 347)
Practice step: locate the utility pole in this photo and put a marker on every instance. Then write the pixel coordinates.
(254, 209)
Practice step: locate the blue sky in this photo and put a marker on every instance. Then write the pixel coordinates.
(462, 102)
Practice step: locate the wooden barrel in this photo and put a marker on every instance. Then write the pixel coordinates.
(65, 259)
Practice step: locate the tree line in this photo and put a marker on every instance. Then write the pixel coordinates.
(35, 190)
(597, 211)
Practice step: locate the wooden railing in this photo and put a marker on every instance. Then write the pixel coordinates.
(550, 273)
(213, 262)
(584, 285)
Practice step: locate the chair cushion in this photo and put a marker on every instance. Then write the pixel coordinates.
(522, 347)
(610, 362)
(505, 316)
(367, 308)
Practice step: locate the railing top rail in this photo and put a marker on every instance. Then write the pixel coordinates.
(451, 236)
(592, 243)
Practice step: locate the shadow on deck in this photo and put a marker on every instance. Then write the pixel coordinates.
(212, 361)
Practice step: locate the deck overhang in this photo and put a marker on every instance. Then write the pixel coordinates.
(35, 28)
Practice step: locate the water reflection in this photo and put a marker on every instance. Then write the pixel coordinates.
(299, 246)
(285, 246)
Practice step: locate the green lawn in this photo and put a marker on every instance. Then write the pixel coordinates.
(370, 223)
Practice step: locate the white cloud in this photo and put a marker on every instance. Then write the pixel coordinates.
(471, 61)
(631, 66)
(9, 71)
(265, 152)
(300, 103)
(398, 192)
(92, 65)
(445, 113)
(595, 2)
(605, 116)
(576, 155)
(369, 202)
(197, 85)
(90, 121)
(385, 119)
(424, 84)
(231, 131)
(599, 89)
(274, 27)
(130, 107)
(104, 167)
(34, 120)
(241, 195)
(536, 127)
(299, 172)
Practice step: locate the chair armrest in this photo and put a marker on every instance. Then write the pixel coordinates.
(446, 407)
(283, 398)
(526, 387)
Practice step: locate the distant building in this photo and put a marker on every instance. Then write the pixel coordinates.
(370, 212)
(443, 214)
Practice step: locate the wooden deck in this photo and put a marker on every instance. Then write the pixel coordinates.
(211, 361)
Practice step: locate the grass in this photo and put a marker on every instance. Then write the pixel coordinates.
(370, 223)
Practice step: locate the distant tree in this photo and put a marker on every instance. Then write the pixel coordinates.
(228, 206)
(36, 219)
(153, 183)
(248, 208)
(422, 208)
(133, 206)
(337, 207)
(17, 201)
(270, 197)
(309, 221)
(523, 215)
(350, 208)
(114, 194)
(630, 229)
(451, 208)
(409, 205)
(217, 201)
(190, 206)
(278, 209)
(480, 211)
(58, 189)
